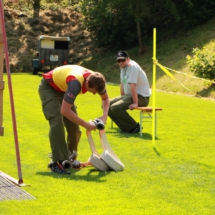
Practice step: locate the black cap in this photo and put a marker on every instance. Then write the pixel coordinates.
(122, 55)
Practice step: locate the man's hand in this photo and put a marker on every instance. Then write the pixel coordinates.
(90, 126)
(84, 164)
(103, 118)
(132, 106)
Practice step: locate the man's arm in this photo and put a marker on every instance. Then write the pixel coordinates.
(134, 96)
(69, 114)
(73, 90)
(105, 106)
(122, 89)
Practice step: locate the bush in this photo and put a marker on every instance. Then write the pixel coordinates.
(202, 64)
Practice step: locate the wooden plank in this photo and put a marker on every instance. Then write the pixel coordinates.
(147, 109)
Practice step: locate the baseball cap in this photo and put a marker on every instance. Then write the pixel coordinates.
(122, 55)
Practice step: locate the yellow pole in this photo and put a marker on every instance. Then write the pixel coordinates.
(153, 87)
(1, 79)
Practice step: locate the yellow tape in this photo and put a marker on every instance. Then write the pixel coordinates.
(164, 69)
(190, 75)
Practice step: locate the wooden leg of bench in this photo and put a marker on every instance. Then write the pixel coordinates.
(150, 115)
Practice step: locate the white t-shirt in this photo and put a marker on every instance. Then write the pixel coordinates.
(133, 73)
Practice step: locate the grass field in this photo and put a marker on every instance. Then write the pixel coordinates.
(177, 177)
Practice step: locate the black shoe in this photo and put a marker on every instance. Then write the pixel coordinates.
(136, 129)
(50, 165)
(57, 167)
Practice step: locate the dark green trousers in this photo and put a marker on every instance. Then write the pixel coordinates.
(51, 105)
(118, 111)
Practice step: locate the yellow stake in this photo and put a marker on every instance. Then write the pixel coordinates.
(154, 87)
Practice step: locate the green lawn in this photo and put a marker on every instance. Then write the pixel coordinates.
(177, 177)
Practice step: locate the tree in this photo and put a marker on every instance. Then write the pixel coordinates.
(122, 17)
(113, 22)
(140, 9)
(109, 22)
(36, 5)
(138, 20)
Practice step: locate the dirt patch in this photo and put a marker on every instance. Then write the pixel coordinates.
(24, 28)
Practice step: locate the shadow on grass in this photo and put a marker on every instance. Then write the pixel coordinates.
(206, 91)
(92, 175)
(118, 133)
(145, 136)
(157, 152)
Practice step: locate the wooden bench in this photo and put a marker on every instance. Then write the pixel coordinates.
(148, 111)
(143, 112)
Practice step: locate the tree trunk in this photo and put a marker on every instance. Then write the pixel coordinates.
(139, 33)
(36, 4)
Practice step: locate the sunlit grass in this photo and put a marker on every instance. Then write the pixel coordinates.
(177, 177)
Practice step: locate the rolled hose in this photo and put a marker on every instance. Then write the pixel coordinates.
(68, 164)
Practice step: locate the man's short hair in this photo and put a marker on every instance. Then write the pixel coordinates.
(97, 81)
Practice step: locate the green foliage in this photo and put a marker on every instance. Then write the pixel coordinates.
(202, 64)
(114, 23)
(109, 23)
(195, 12)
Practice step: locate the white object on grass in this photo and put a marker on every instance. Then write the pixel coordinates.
(108, 155)
(95, 159)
